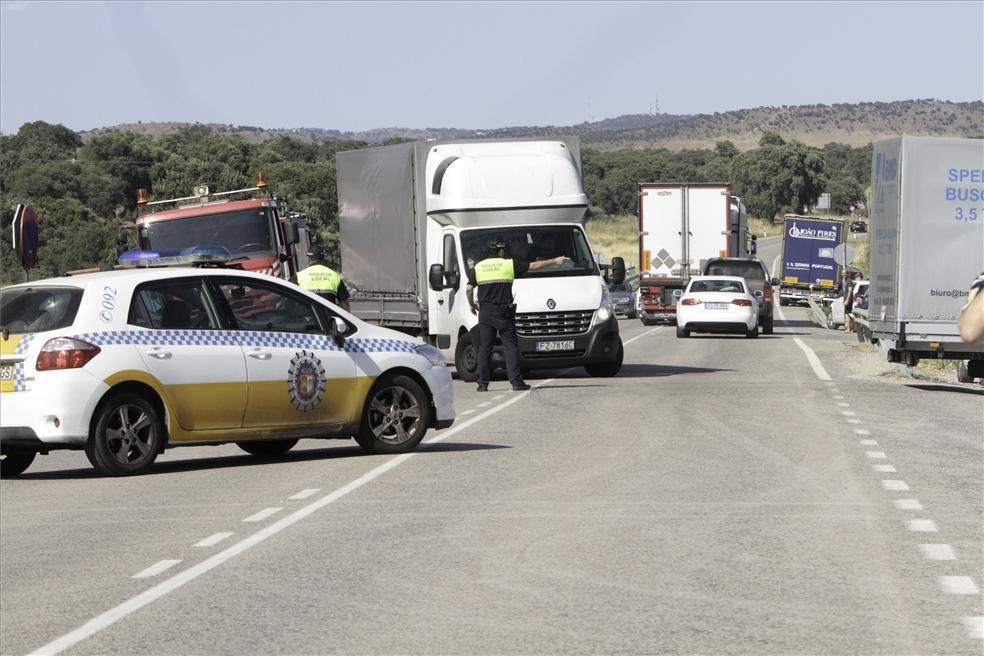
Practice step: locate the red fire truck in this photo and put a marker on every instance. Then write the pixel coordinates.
(257, 230)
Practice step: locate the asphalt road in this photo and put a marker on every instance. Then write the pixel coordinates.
(719, 496)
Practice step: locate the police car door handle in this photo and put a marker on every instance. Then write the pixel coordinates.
(159, 353)
(260, 355)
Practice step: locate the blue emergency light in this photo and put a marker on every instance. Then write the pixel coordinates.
(189, 256)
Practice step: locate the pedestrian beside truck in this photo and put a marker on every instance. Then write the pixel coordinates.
(972, 315)
(496, 311)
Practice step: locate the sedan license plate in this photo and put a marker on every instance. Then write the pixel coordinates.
(6, 372)
(567, 345)
(716, 306)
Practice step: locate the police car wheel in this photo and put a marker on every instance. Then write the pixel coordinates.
(127, 437)
(14, 463)
(267, 448)
(395, 417)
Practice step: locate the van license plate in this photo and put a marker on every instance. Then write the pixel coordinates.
(567, 345)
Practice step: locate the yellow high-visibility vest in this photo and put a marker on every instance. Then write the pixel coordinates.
(319, 279)
(494, 269)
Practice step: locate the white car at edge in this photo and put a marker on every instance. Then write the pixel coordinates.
(718, 304)
(124, 364)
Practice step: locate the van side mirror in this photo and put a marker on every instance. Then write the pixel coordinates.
(618, 270)
(291, 233)
(775, 282)
(435, 277)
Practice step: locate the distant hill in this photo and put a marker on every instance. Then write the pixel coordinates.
(816, 125)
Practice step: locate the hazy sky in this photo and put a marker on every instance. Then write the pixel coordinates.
(357, 66)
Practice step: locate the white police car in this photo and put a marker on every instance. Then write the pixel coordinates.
(124, 364)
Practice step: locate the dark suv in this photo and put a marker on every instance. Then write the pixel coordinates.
(755, 274)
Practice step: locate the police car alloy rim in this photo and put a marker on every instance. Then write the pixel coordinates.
(128, 434)
(394, 415)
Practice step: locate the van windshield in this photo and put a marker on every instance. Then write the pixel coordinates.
(534, 243)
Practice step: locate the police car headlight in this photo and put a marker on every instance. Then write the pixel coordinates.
(433, 356)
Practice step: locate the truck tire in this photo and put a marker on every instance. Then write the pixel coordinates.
(782, 302)
(607, 369)
(466, 359)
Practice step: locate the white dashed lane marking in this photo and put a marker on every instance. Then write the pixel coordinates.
(838, 396)
(974, 626)
(848, 413)
(843, 405)
(884, 468)
(907, 504)
(304, 494)
(263, 514)
(875, 454)
(962, 585)
(862, 431)
(867, 443)
(484, 405)
(212, 540)
(937, 552)
(854, 421)
(921, 525)
(156, 569)
(895, 486)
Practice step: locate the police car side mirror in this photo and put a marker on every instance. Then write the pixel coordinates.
(337, 329)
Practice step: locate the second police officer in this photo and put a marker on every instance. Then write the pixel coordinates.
(496, 311)
(323, 281)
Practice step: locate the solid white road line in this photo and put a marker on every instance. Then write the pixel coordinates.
(907, 504)
(885, 469)
(113, 615)
(156, 569)
(895, 486)
(263, 514)
(304, 494)
(963, 585)
(974, 626)
(921, 525)
(812, 359)
(937, 552)
(212, 540)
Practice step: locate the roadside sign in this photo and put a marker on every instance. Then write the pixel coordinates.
(823, 203)
(844, 254)
(25, 235)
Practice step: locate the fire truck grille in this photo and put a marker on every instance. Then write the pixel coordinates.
(539, 324)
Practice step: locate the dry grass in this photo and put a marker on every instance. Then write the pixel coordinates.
(615, 236)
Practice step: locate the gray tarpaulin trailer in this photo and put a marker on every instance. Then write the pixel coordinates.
(927, 245)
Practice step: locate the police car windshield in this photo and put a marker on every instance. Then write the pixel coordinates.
(27, 310)
(244, 233)
(533, 243)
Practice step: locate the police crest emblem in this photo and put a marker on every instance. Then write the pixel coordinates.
(306, 381)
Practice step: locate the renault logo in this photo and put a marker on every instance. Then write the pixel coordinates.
(551, 303)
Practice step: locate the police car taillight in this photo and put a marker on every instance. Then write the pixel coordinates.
(65, 353)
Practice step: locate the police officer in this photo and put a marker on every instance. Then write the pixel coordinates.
(323, 281)
(496, 312)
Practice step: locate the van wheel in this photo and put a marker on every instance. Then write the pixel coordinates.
(127, 437)
(15, 462)
(466, 359)
(395, 417)
(607, 369)
(267, 448)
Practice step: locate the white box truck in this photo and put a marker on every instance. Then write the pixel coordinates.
(681, 226)
(414, 217)
(927, 246)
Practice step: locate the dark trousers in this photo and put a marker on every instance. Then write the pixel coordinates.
(494, 319)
